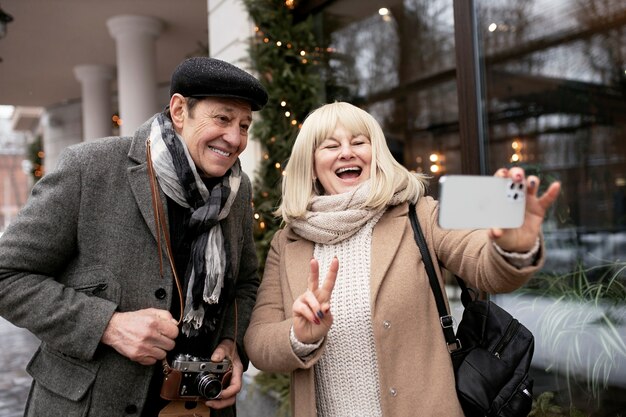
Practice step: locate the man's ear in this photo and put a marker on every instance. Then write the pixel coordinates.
(178, 110)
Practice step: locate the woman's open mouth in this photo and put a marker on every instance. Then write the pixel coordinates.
(348, 173)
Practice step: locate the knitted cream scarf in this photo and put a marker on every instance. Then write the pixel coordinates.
(333, 218)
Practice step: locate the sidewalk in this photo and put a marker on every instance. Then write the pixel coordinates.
(16, 348)
(18, 345)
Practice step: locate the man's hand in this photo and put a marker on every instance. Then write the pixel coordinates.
(227, 349)
(144, 336)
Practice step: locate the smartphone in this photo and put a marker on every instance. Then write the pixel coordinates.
(480, 202)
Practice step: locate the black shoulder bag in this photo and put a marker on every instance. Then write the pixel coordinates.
(491, 352)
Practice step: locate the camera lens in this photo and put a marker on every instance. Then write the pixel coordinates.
(208, 385)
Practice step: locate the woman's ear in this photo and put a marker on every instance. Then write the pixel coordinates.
(178, 110)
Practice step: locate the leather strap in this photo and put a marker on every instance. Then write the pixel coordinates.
(445, 319)
(161, 227)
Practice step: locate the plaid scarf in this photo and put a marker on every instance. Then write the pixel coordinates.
(208, 265)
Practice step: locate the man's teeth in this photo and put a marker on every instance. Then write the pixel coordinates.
(219, 151)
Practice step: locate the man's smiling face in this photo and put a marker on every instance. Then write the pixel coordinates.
(216, 132)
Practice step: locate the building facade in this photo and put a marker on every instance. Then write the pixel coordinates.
(465, 87)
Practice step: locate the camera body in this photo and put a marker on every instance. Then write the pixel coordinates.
(192, 378)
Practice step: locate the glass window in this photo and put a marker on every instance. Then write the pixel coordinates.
(398, 63)
(555, 81)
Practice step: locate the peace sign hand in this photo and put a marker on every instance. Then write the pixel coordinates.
(311, 311)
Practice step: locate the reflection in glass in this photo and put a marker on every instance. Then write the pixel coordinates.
(556, 104)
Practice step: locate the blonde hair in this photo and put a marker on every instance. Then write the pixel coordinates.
(387, 175)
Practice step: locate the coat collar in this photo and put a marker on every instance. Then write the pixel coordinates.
(138, 176)
(386, 238)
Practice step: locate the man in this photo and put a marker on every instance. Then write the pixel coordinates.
(86, 265)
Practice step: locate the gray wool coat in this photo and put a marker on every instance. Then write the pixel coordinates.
(83, 247)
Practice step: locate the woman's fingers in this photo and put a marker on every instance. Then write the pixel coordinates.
(307, 307)
(314, 274)
(331, 278)
(515, 173)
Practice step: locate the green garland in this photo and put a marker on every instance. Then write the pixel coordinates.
(289, 63)
(36, 158)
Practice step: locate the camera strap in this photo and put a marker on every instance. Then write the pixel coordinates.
(160, 225)
(161, 228)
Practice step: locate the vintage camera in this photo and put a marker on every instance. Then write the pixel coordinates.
(193, 378)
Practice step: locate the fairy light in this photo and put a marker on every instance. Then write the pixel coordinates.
(516, 145)
(436, 165)
(283, 103)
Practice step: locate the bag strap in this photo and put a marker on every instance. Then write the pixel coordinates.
(446, 320)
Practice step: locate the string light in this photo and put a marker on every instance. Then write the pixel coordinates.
(437, 163)
(317, 52)
(516, 145)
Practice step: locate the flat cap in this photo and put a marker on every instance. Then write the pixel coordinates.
(210, 77)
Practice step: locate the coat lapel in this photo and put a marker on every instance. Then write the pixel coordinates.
(299, 254)
(138, 177)
(386, 238)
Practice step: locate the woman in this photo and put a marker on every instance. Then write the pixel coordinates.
(364, 339)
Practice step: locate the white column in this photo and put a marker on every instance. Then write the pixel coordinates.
(95, 81)
(230, 29)
(135, 39)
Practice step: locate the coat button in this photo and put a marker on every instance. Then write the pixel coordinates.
(160, 293)
(131, 409)
(393, 392)
(386, 324)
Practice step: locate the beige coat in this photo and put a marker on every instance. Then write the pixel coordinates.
(415, 371)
